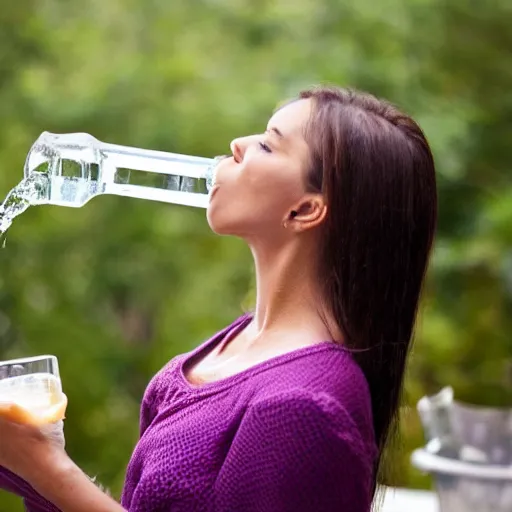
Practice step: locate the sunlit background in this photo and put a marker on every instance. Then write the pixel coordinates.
(120, 286)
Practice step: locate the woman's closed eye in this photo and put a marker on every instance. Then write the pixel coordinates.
(265, 147)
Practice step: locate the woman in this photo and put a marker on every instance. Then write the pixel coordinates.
(289, 408)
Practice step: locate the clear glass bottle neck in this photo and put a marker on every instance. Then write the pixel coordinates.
(126, 157)
(79, 167)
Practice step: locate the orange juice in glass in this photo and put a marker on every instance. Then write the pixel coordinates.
(31, 390)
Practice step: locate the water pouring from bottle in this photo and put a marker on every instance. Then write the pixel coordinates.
(30, 190)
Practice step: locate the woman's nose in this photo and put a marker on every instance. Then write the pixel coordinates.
(238, 149)
(240, 146)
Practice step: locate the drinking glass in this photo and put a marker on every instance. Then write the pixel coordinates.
(31, 390)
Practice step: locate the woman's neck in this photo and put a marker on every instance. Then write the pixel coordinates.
(288, 295)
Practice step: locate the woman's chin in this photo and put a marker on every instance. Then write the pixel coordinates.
(219, 225)
(219, 229)
(216, 225)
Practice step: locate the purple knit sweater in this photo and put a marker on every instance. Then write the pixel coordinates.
(293, 434)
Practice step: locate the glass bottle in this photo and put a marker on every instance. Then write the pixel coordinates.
(70, 169)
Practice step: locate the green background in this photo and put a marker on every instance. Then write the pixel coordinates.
(118, 287)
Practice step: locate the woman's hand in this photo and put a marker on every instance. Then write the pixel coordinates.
(36, 454)
(26, 449)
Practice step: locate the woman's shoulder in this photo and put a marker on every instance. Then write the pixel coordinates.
(316, 413)
(325, 368)
(326, 382)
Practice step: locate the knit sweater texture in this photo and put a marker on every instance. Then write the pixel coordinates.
(291, 434)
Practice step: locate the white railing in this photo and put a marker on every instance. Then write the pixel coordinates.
(408, 500)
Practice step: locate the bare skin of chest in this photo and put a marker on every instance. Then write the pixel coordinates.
(238, 354)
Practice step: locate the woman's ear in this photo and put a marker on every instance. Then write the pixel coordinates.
(308, 214)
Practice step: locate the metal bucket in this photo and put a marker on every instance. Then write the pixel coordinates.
(468, 452)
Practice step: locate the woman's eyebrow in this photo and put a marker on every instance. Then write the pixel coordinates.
(276, 131)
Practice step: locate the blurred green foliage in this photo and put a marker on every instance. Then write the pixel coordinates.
(118, 287)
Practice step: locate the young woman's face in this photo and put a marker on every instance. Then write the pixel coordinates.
(264, 179)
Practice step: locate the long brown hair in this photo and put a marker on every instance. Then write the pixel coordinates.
(374, 166)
